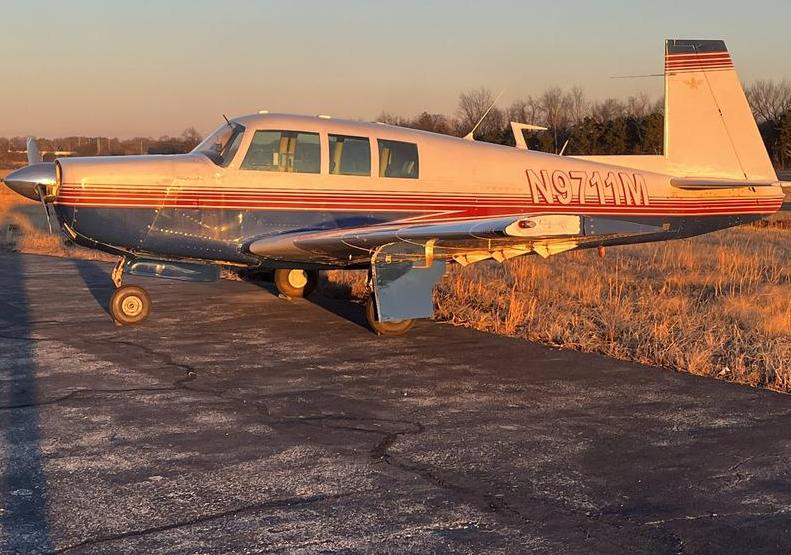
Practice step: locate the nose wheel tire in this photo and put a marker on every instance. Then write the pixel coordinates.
(130, 305)
(385, 328)
(296, 283)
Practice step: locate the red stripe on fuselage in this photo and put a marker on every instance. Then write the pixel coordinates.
(434, 206)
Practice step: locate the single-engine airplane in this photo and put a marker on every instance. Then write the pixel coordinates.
(301, 194)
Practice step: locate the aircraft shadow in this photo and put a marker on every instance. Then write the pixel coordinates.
(23, 487)
(97, 280)
(337, 301)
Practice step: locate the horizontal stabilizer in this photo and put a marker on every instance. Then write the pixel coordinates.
(697, 183)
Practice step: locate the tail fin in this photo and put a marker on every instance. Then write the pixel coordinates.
(710, 130)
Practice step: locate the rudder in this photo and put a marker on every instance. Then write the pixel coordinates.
(710, 130)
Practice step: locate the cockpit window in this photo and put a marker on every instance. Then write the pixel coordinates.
(284, 151)
(221, 146)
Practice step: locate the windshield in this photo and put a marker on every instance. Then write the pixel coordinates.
(221, 146)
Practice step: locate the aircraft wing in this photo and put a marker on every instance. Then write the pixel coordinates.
(459, 236)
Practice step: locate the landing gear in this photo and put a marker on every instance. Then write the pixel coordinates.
(399, 327)
(130, 305)
(296, 283)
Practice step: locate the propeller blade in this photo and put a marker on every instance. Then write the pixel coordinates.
(42, 194)
(33, 154)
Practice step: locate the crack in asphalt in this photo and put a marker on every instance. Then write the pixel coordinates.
(246, 509)
(89, 392)
(380, 452)
(482, 499)
(86, 393)
(714, 515)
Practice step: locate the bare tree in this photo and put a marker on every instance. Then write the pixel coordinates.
(769, 99)
(525, 111)
(436, 123)
(472, 107)
(607, 110)
(556, 107)
(639, 106)
(191, 137)
(577, 105)
(391, 119)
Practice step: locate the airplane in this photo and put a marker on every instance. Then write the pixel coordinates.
(301, 194)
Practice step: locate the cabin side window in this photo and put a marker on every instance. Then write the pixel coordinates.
(350, 155)
(398, 159)
(284, 151)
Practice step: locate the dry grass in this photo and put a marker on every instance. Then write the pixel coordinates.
(23, 228)
(717, 305)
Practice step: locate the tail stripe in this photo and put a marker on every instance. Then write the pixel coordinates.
(697, 62)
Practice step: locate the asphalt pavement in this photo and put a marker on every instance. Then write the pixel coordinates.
(235, 421)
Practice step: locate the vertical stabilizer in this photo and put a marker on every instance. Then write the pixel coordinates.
(710, 130)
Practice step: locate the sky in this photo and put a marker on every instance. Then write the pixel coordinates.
(148, 68)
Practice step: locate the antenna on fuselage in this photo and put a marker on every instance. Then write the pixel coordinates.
(637, 76)
(227, 120)
(471, 135)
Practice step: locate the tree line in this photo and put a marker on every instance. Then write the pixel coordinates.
(578, 126)
(575, 125)
(13, 150)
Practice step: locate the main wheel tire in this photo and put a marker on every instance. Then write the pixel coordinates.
(385, 328)
(295, 283)
(130, 305)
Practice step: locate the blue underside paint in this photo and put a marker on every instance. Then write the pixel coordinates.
(210, 234)
(220, 235)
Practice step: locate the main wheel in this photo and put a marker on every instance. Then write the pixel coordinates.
(130, 305)
(399, 327)
(296, 283)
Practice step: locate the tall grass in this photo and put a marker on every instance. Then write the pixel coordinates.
(717, 305)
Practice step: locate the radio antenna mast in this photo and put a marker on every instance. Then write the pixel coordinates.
(470, 136)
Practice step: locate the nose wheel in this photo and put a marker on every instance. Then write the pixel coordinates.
(296, 283)
(130, 305)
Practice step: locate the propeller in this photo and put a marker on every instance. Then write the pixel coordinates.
(33, 154)
(35, 181)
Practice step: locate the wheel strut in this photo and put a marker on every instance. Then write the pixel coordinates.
(129, 304)
(118, 272)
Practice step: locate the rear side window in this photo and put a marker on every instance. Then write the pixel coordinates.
(350, 155)
(284, 151)
(398, 159)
